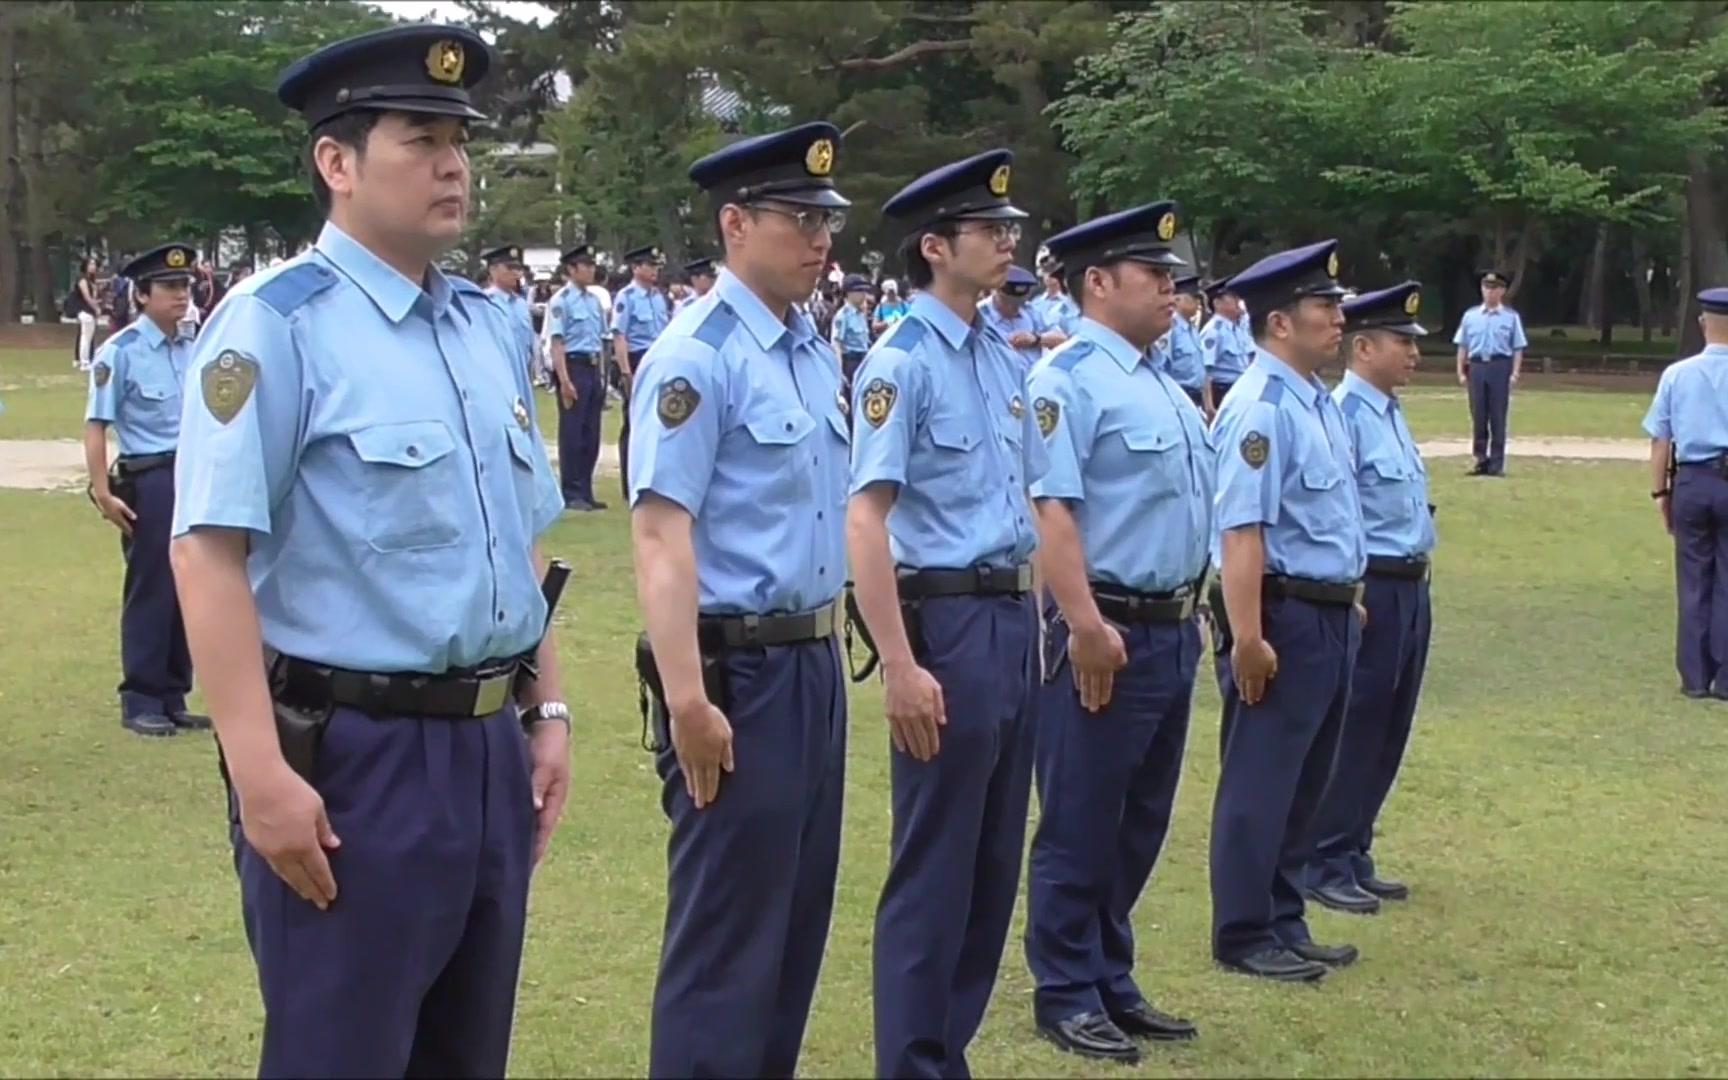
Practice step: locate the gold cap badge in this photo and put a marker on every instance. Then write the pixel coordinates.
(1167, 226)
(1332, 265)
(444, 61)
(176, 258)
(819, 159)
(999, 181)
(1413, 303)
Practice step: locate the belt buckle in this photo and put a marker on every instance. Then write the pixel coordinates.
(986, 575)
(491, 693)
(1188, 605)
(823, 621)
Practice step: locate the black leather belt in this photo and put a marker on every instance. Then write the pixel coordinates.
(1128, 606)
(1413, 568)
(580, 357)
(1491, 356)
(1315, 592)
(1718, 465)
(715, 632)
(463, 694)
(973, 581)
(133, 464)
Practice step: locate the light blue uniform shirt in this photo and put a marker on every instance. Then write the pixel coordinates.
(516, 308)
(640, 315)
(578, 319)
(1391, 480)
(1226, 348)
(758, 458)
(386, 463)
(1129, 453)
(1486, 334)
(1691, 406)
(852, 329)
(1027, 318)
(135, 385)
(1059, 312)
(1179, 356)
(1301, 492)
(958, 437)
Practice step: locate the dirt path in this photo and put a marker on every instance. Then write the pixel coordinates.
(58, 464)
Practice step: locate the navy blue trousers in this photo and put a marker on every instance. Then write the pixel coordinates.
(750, 879)
(412, 971)
(1106, 785)
(959, 836)
(1700, 508)
(1278, 758)
(1490, 399)
(1383, 692)
(155, 664)
(579, 433)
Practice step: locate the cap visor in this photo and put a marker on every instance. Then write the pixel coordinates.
(1332, 291)
(170, 277)
(1156, 258)
(826, 198)
(993, 213)
(427, 106)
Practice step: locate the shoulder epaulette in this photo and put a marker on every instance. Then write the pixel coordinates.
(288, 291)
(1065, 359)
(906, 334)
(1273, 392)
(717, 326)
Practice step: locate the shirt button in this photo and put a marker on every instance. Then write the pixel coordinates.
(500, 616)
(821, 569)
(413, 451)
(818, 515)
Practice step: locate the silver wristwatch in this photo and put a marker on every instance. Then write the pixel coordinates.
(546, 712)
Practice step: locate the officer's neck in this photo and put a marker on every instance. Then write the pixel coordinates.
(168, 325)
(1109, 322)
(412, 262)
(757, 283)
(1367, 374)
(1283, 352)
(957, 296)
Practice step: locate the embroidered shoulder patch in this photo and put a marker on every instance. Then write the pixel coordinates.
(227, 382)
(678, 400)
(1254, 449)
(1049, 412)
(879, 398)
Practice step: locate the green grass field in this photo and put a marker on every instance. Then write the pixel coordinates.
(1559, 819)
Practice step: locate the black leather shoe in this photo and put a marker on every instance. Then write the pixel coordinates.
(154, 725)
(1348, 898)
(596, 504)
(1276, 963)
(1331, 955)
(1385, 888)
(1142, 1021)
(1694, 694)
(1092, 1035)
(187, 721)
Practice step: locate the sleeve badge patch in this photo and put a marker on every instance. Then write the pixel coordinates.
(879, 398)
(1255, 448)
(678, 399)
(1049, 413)
(227, 382)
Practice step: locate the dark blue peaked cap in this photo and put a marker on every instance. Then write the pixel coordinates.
(1393, 309)
(165, 263)
(1289, 276)
(509, 253)
(1714, 301)
(425, 68)
(1142, 234)
(703, 267)
(976, 188)
(1190, 284)
(794, 166)
(1020, 278)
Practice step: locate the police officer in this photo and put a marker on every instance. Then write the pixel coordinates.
(1289, 545)
(361, 484)
(504, 268)
(639, 314)
(1125, 517)
(1006, 309)
(1689, 482)
(1226, 343)
(1491, 346)
(851, 329)
(737, 496)
(700, 273)
(1392, 484)
(1178, 354)
(941, 534)
(135, 387)
(1054, 306)
(577, 325)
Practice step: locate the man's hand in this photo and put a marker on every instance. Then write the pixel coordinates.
(1097, 654)
(116, 511)
(915, 709)
(284, 821)
(1515, 374)
(1022, 339)
(567, 392)
(1665, 507)
(1361, 615)
(549, 748)
(1254, 664)
(702, 739)
(1463, 377)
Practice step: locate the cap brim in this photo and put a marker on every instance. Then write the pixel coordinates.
(169, 276)
(425, 106)
(826, 198)
(993, 213)
(1156, 258)
(1327, 292)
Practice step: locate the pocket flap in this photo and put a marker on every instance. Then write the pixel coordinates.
(953, 433)
(412, 445)
(154, 393)
(1387, 469)
(1320, 479)
(837, 421)
(1148, 440)
(521, 444)
(782, 428)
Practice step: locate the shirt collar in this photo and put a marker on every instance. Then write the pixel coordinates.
(1377, 398)
(1114, 345)
(954, 330)
(763, 326)
(1306, 388)
(150, 332)
(394, 294)
(1716, 350)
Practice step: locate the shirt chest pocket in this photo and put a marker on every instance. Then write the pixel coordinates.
(1322, 502)
(775, 441)
(1154, 452)
(522, 467)
(154, 391)
(408, 484)
(956, 440)
(1389, 488)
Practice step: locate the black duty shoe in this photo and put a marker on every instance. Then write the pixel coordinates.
(1142, 1021)
(596, 504)
(1477, 469)
(1331, 955)
(1277, 963)
(154, 725)
(1092, 1035)
(1694, 694)
(1385, 888)
(188, 721)
(1348, 898)
(579, 506)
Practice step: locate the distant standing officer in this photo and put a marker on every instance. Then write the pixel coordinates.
(1291, 552)
(504, 269)
(1491, 346)
(738, 492)
(1054, 306)
(1125, 515)
(135, 386)
(701, 275)
(1179, 353)
(360, 486)
(1008, 312)
(1688, 427)
(1226, 344)
(578, 323)
(851, 329)
(941, 536)
(639, 315)
(1380, 331)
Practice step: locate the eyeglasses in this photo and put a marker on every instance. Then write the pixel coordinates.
(1003, 233)
(810, 222)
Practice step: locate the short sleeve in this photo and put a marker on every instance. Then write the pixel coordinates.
(676, 419)
(1458, 338)
(240, 420)
(1659, 421)
(1250, 461)
(888, 394)
(620, 312)
(1065, 423)
(1209, 344)
(1519, 341)
(107, 375)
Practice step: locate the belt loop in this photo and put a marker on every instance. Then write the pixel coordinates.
(752, 625)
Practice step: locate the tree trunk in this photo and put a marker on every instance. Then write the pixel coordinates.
(1600, 308)
(1641, 283)
(10, 14)
(1707, 263)
(38, 207)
